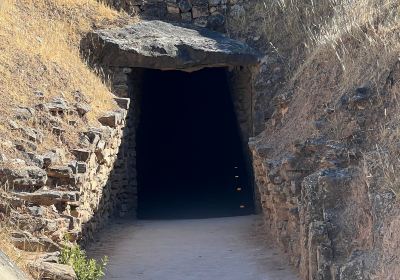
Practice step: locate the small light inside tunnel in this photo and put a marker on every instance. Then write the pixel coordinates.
(236, 167)
(242, 206)
(236, 176)
(239, 189)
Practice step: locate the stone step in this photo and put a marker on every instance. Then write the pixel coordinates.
(60, 171)
(53, 271)
(49, 197)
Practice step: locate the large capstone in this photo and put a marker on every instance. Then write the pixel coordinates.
(162, 45)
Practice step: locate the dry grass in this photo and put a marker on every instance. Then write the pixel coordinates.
(39, 51)
(287, 25)
(329, 48)
(382, 160)
(361, 33)
(19, 257)
(364, 36)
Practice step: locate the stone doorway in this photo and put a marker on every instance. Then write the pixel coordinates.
(190, 157)
(142, 59)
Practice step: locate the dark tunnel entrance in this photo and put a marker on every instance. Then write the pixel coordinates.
(190, 156)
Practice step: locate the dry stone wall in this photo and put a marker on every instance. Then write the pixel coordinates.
(205, 13)
(306, 196)
(48, 197)
(321, 205)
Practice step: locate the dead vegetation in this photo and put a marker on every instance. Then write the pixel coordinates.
(329, 49)
(364, 37)
(6, 246)
(40, 60)
(39, 55)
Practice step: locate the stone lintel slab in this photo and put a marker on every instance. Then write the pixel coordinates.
(166, 46)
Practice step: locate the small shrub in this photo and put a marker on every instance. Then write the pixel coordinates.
(85, 269)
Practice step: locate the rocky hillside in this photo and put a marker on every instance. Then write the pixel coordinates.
(326, 156)
(50, 102)
(40, 63)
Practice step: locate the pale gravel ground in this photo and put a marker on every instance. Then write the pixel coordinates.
(206, 249)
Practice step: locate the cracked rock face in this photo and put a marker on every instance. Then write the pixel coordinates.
(161, 45)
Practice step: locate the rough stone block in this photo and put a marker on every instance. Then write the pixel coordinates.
(200, 11)
(154, 10)
(47, 198)
(58, 131)
(59, 106)
(111, 119)
(26, 242)
(184, 5)
(186, 17)
(53, 271)
(134, 45)
(81, 154)
(81, 167)
(82, 108)
(60, 172)
(26, 178)
(173, 9)
(214, 2)
(123, 103)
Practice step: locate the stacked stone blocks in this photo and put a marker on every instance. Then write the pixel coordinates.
(205, 13)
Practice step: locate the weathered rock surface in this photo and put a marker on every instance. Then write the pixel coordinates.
(60, 172)
(112, 119)
(47, 198)
(53, 271)
(25, 241)
(123, 103)
(26, 178)
(161, 45)
(58, 106)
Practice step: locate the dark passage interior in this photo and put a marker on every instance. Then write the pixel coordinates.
(190, 157)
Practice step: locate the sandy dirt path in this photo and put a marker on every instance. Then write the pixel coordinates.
(206, 249)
